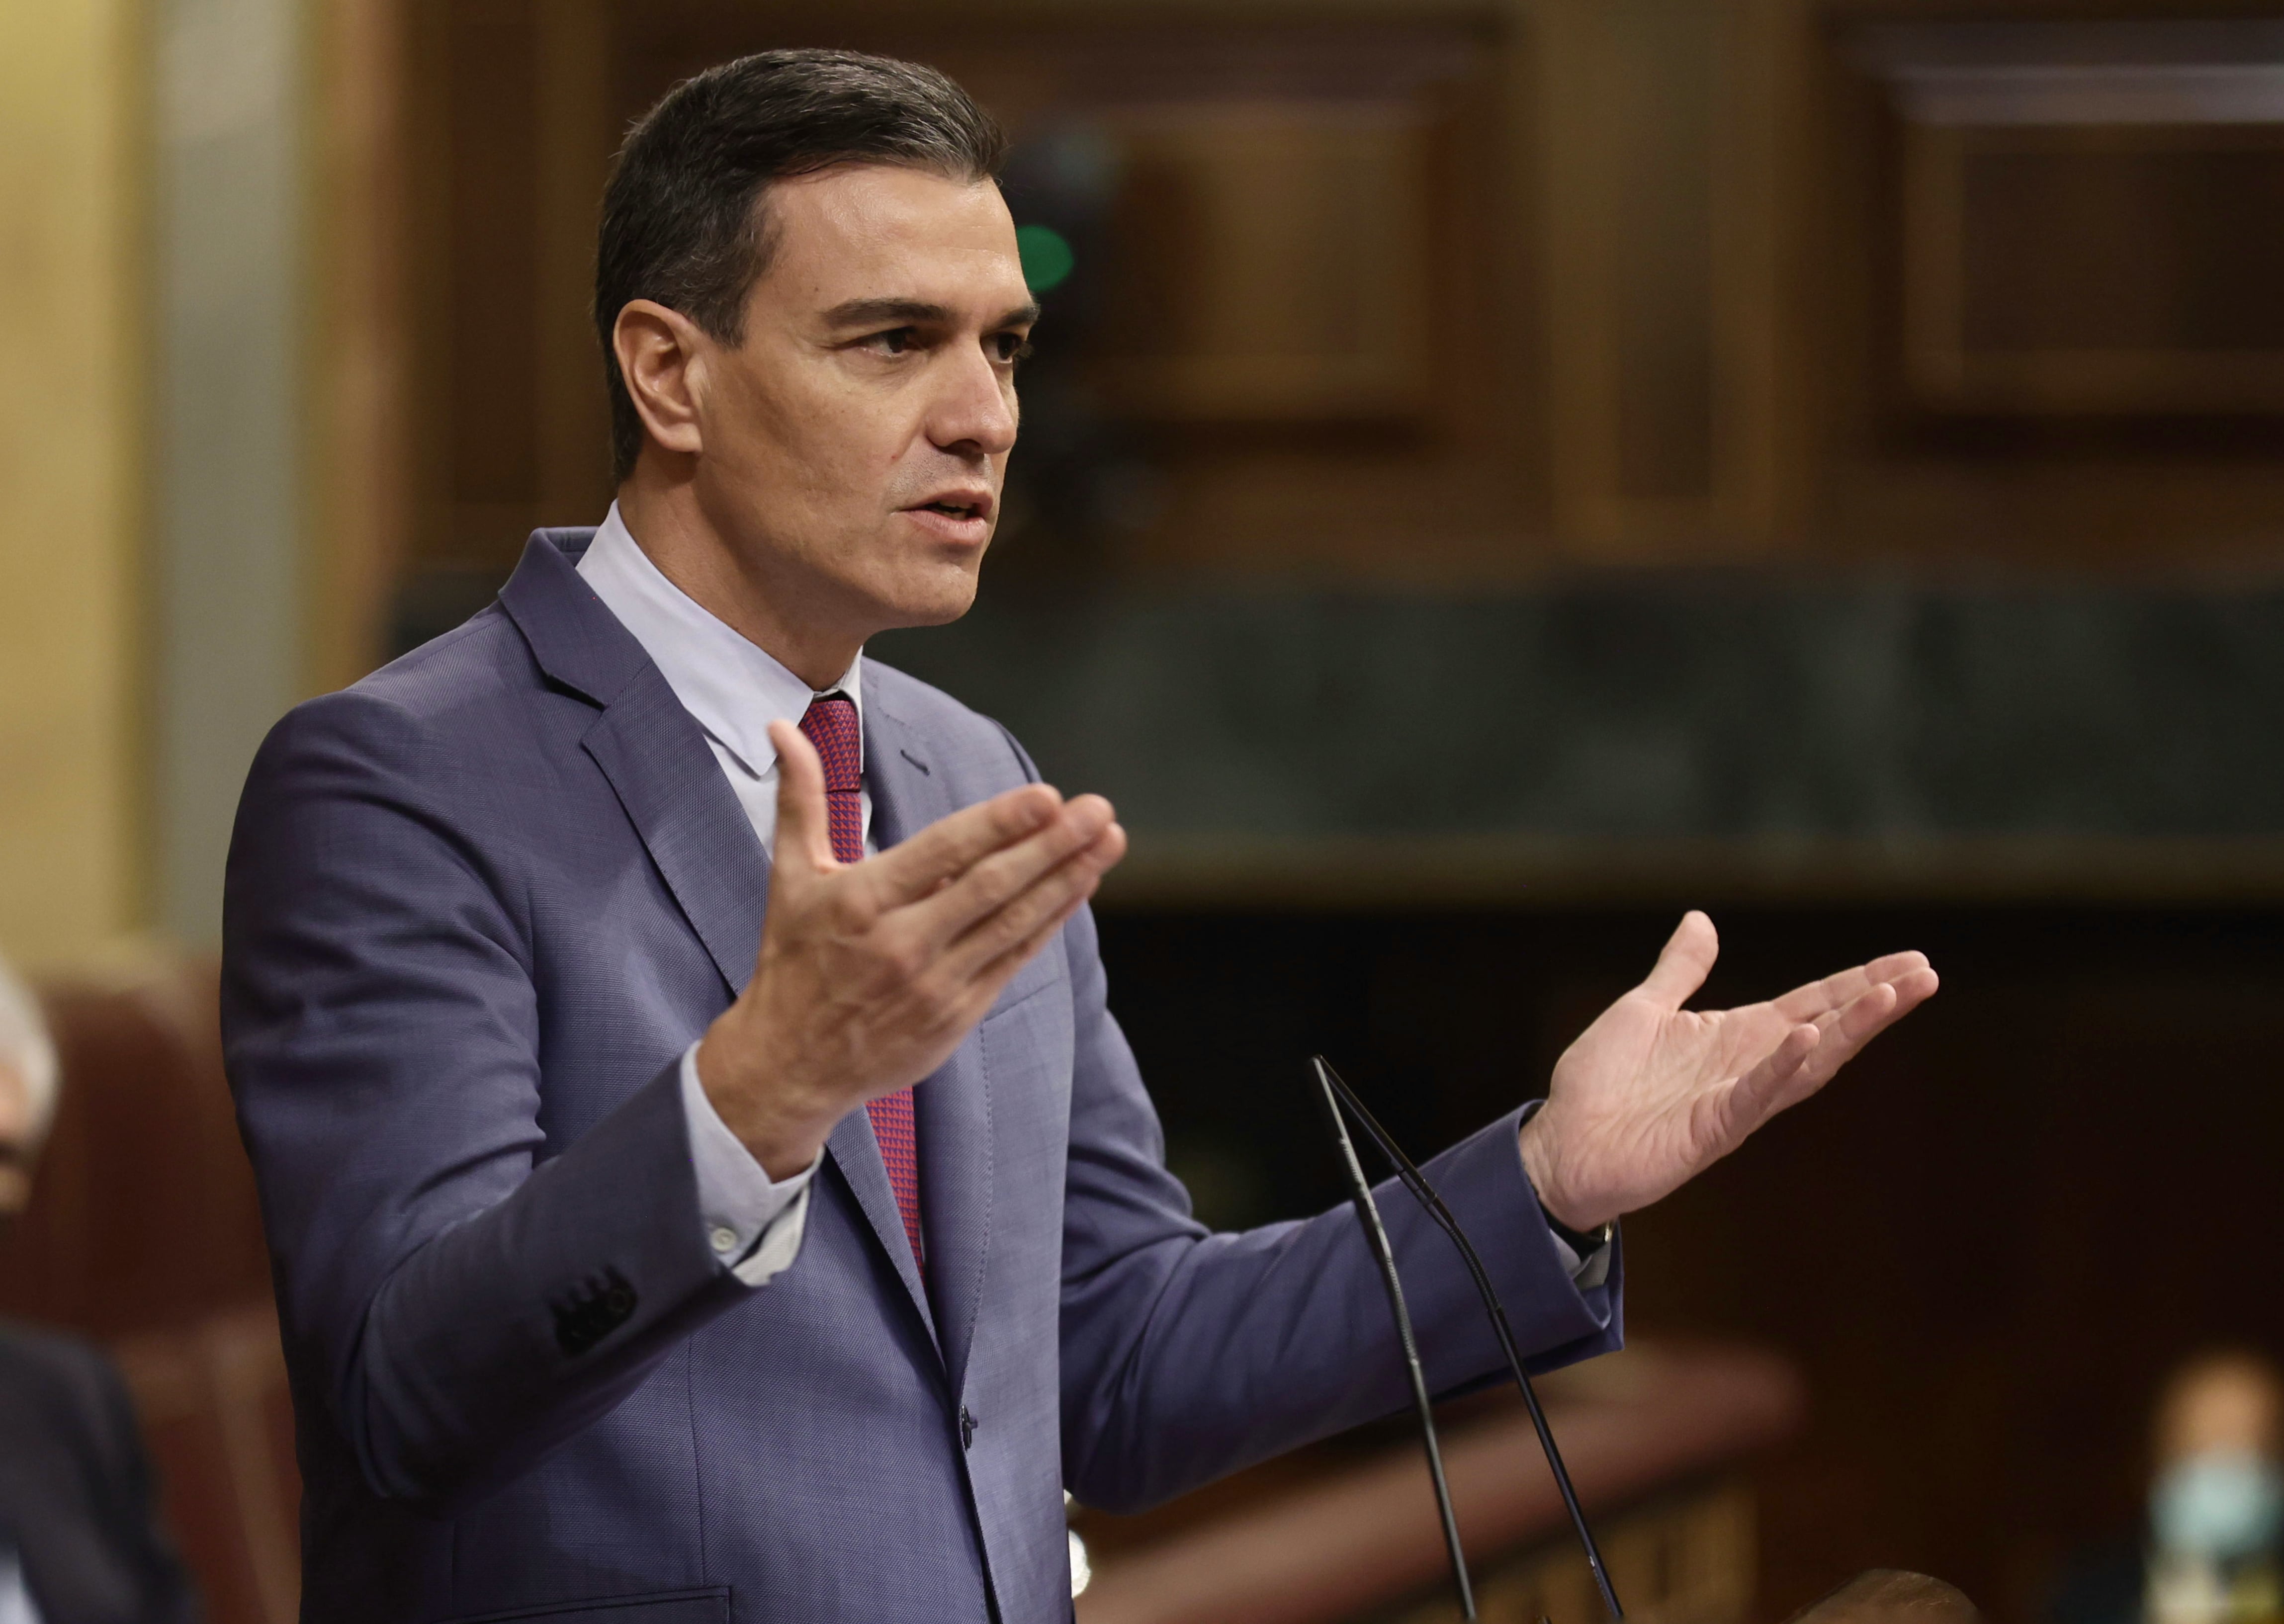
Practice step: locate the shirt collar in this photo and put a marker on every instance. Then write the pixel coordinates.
(731, 687)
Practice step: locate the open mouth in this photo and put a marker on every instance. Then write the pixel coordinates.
(953, 509)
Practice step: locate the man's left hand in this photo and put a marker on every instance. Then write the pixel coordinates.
(1651, 1094)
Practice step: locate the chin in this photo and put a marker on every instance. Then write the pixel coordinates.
(936, 597)
(940, 612)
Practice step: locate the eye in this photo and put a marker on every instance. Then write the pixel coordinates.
(895, 341)
(1010, 348)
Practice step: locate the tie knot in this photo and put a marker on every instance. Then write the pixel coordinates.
(830, 723)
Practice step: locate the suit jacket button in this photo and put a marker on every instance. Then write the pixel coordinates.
(598, 1307)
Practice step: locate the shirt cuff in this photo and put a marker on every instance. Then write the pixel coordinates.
(752, 1223)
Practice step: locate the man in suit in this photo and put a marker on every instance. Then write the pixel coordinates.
(704, 1174)
(80, 1541)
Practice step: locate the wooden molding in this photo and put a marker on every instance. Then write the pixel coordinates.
(361, 337)
(2102, 288)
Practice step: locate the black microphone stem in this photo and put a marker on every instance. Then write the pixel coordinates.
(1416, 1182)
(1368, 1215)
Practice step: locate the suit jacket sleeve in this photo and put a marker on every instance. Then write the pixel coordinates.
(473, 1292)
(1187, 1355)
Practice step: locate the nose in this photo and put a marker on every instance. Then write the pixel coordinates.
(973, 412)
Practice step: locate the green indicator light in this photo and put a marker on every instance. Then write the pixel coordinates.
(1047, 256)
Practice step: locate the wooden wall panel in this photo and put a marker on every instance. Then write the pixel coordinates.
(577, 135)
(2068, 272)
(1294, 241)
(1669, 134)
(1345, 339)
(492, 212)
(514, 126)
(364, 339)
(1663, 311)
(2088, 214)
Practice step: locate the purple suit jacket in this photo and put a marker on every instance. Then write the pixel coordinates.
(478, 905)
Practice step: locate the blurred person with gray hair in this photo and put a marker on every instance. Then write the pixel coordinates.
(28, 1092)
(80, 1541)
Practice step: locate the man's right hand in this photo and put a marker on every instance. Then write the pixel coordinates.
(871, 974)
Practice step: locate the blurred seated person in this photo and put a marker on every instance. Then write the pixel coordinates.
(2210, 1553)
(79, 1536)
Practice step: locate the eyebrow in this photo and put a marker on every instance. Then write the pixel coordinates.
(915, 313)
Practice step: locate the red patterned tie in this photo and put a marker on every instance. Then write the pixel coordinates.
(831, 725)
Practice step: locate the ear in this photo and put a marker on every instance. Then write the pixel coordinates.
(662, 357)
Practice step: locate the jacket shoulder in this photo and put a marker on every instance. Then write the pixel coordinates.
(477, 681)
(483, 659)
(976, 741)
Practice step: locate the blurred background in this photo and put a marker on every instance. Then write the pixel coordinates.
(1494, 475)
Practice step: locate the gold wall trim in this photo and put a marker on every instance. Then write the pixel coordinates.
(72, 641)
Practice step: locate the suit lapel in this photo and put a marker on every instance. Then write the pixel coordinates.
(952, 1113)
(664, 772)
(857, 1154)
(654, 752)
(952, 1109)
(658, 762)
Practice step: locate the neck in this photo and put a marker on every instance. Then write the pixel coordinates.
(771, 612)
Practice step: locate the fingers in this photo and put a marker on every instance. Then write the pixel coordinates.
(1038, 910)
(1837, 991)
(1681, 969)
(998, 880)
(803, 830)
(951, 846)
(978, 967)
(1812, 1052)
(995, 972)
(1881, 1006)
(1781, 1079)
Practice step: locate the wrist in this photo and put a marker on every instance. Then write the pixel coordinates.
(1583, 1243)
(1541, 1165)
(766, 1119)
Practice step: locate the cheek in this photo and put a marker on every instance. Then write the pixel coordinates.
(842, 449)
(808, 439)
(778, 438)
(786, 428)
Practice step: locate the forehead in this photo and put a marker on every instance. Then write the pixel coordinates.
(875, 231)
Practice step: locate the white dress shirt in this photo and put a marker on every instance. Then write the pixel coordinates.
(734, 690)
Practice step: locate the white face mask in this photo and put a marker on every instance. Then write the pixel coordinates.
(2222, 1503)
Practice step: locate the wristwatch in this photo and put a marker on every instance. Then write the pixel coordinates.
(1583, 1245)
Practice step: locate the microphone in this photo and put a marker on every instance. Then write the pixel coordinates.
(1367, 1212)
(1338, 1095)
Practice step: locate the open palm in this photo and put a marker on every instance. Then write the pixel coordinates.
(1651, 1094)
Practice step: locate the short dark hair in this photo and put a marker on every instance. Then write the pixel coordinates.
(684, 218)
